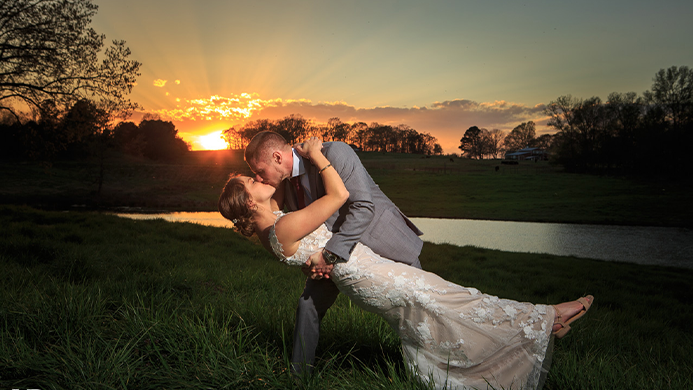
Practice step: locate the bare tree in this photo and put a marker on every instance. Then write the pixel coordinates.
(359, 134)
(672, 90)
(336, 130)
(493, 141)
(234, 138)
(295, 128)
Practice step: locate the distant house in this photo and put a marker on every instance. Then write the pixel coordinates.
(534, 154)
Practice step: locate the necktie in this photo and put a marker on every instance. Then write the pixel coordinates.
(299, 192)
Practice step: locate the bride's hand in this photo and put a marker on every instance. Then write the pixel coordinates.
(309, 147)
(316, 268)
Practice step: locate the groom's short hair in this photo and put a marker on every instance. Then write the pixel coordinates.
(263, 145)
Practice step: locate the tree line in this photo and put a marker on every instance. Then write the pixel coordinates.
(626, 133)
(53, 64)
(375, 137)
(85, 130)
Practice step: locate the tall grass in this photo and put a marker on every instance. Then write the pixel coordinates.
(90, 301)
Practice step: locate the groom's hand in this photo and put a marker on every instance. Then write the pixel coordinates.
(318, 269)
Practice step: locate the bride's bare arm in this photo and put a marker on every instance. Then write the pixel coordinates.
(296, 225)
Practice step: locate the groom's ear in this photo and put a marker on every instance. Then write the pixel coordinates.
(277, 157)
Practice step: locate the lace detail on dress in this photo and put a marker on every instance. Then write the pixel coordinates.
(310, 244)
(453, 335)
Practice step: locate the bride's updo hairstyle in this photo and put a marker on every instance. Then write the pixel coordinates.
(233, 205)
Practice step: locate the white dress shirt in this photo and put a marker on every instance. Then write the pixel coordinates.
(299, 169)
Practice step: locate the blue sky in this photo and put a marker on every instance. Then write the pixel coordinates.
(438, 66)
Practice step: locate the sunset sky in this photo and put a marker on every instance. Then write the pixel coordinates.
(437, 66)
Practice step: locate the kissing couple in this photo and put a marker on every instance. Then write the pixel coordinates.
(348, 237)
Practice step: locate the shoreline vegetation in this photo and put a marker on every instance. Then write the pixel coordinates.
(89, 300)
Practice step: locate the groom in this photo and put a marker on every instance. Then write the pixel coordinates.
(368, 217)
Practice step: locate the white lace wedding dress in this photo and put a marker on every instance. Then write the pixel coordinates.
(453, 335)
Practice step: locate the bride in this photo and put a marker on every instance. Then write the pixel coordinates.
(455, 336)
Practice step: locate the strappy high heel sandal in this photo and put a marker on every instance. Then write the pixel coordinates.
(565, 326)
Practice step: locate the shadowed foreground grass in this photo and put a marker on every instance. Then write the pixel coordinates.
(91, 301)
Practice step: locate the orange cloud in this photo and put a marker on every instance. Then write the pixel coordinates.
(159, 83)
(218, 108)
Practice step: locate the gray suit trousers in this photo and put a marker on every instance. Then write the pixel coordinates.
(317, 297)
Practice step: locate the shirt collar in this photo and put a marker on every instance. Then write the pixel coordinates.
(299, 166)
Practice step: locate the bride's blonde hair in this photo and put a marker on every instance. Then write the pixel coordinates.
(234, 205)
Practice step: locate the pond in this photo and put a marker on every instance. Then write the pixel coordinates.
(634, 244)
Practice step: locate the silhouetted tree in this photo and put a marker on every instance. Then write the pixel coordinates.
(437, 149)
(427, 144)
(343, 132)
(543, 141)
(294, 128)
(379, 138)
(48, 52)
(583, 125)
(493, 142)
(672, 91)
(328, 132)
(359, 131)
(128, 138)
(233, 138)
(471, 143)
(85, 128)
(161, 140)
(521, 136)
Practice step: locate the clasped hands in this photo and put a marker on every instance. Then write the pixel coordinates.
(316, 268)
(312, 144)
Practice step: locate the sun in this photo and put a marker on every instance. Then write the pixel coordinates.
(212, 141)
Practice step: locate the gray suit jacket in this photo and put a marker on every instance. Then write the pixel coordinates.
(368, 216)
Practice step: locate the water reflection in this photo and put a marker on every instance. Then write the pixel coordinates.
(641, 245)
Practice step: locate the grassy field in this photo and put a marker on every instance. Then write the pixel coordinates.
(424, 187)
(92, 301)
